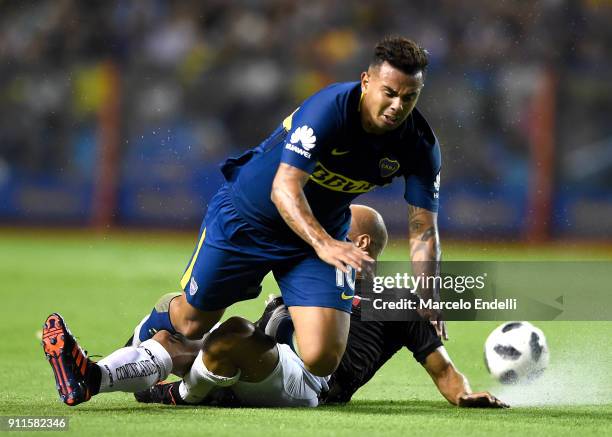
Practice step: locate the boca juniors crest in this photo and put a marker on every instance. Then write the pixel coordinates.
(388, 167)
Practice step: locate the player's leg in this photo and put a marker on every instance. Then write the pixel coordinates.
(320, 350)
(238, 345)
(321, 335)
(157, 320)
(217, 279)
(225, 267)
(129, 369)
(172, 312)
(234, 344)
(257, 370)
(319, 300)
(182, 351)
(288, 385)
(234, 351)
(191, 321)
(78, 378)
(226, 278)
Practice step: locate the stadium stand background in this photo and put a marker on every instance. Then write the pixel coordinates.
(118, 113)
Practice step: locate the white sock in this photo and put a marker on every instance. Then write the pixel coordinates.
(132, 369)
(199, 381)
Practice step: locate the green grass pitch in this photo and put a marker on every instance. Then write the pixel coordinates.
(103, 285)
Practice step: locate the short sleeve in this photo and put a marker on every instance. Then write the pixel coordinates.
(310, 130)
(421, 339)
(423, 184)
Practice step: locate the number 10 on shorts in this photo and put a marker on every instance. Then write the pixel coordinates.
(349, 277)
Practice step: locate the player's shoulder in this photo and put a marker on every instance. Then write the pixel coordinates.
(421, 146)
(336, 95)
(338, 89)
(419, 128)
(328, 110)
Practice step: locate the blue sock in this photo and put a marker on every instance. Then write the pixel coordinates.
(159, 319)
(284, 333)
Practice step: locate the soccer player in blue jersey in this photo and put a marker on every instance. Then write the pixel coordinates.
(284, 208)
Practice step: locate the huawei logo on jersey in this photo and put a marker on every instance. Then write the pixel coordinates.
(304, 135)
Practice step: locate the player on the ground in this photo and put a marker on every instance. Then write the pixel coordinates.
(259, 371)
(273, 376)
(284, 208)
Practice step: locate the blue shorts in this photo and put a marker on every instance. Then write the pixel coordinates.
(232, 258)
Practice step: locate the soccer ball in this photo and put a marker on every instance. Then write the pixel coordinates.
(516, 352)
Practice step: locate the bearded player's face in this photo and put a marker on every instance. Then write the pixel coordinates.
(389, 95)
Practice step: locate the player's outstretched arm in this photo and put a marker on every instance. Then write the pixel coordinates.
(425, 254)
(288, 196)
(454, 386)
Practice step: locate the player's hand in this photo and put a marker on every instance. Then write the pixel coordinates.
(483, 399)
(440, 327)
(341, 254)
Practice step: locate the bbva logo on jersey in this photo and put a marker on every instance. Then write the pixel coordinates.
(338, 182)
(304, 135)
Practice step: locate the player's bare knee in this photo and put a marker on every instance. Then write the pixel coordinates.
(322, 366)
(228, 337)
(230, 344)
(237, 327)
(319, 361)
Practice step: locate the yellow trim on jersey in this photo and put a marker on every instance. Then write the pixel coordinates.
(187, 274)
(287, 122)
(337, 182)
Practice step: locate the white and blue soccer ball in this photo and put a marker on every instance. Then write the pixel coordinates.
(516, 352)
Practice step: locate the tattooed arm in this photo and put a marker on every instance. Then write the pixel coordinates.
(288, 197)
(423, 234)
(425, 254)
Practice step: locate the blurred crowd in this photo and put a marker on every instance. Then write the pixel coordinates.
(203, 79)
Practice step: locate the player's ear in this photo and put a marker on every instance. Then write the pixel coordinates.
(365, 80)
(363, 241)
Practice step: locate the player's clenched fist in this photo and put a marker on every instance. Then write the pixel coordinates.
(341, 254)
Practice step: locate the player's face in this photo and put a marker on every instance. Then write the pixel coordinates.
(389, 95)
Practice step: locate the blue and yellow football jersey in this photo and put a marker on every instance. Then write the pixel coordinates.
(324, 137)
(243, 237)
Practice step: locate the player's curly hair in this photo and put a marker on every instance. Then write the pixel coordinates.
(402, 53)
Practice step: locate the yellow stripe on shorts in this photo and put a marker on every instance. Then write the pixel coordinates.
(187, 274)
